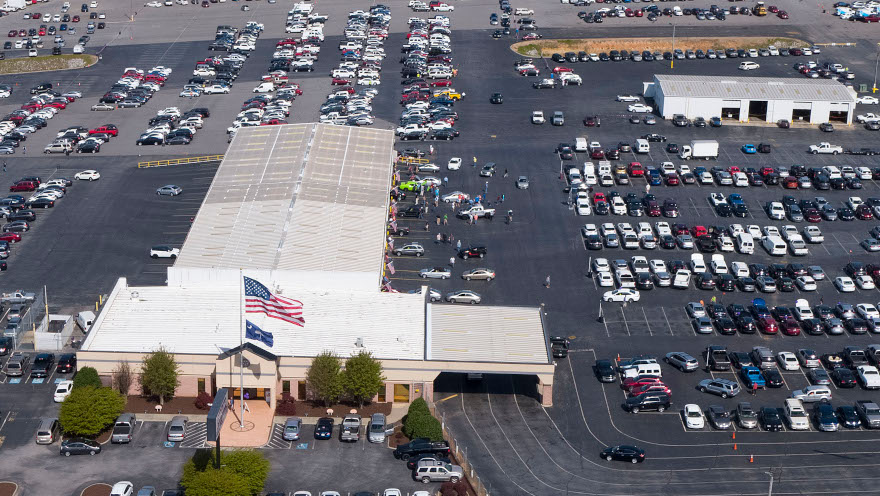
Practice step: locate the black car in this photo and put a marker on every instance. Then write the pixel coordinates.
(740, 359)
(672, 148)
(324, 428)
(25, 215)
(41, 203)
(79, 446)
(445, 134)
(856, 325)
(843, 377)
(473, 251)
(646, 402)
(88, 147)
(496, 98)
(631, 454)
(725, 282)
(725, 326)
(150, 140)
(772, 378)
(654, 138)
(705, 244)
(66, 363)
(770, 419)
(6, 344)
(178, 140)
(42, 365)
(826, 127)
(605, 371)
(848, 417)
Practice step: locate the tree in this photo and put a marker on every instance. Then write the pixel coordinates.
(89, 410)
(123, 377)
(362, 378)
(324, 379)
(87, 376)
(245, 472)
(159, 375)
(423, 426)
(417, 411)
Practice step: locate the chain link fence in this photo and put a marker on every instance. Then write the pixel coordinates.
(32, 316)
(461, 456)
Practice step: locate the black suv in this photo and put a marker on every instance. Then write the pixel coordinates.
(42, 365)
(646, 402)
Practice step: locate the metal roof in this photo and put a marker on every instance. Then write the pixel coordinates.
(296, 197)
(204, 319)
(753, 88)
(477, 333)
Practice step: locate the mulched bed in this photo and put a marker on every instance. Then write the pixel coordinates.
(397, 439)
(102, 438)
(183, 405)
(7, 488)
(97, 490)
(311, 409)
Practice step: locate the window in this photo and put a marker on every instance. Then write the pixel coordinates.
(401, 393)
(301, 390)
(285, 387)
(201, 385)
(382, 397)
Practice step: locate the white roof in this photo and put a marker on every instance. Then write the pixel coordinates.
(205, 320)
(296, 197)
(478, 333)
(754, 88)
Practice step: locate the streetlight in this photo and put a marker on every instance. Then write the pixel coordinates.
(672, 62)
(770, 492)
(876, 62)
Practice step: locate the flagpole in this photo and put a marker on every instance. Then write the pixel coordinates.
(241, 346)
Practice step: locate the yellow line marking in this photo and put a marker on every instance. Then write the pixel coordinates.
(446, 398)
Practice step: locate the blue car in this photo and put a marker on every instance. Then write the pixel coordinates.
(324, 428)
(735, 199)
(715, 122)
(749, 149)
(654, 178)
(752, 375)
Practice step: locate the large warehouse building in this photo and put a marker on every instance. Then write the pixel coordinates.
(751, 99)
(302, 210)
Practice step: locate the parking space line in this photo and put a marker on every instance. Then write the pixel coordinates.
(646, 322)
(625, 322)
(667, 321)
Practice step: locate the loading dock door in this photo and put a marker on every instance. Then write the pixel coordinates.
(758, 110)
(730, 109)
(802, 111)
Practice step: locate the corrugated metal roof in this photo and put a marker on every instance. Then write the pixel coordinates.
(476, 333)
(296, 197)
(205, 320)
(753, 88)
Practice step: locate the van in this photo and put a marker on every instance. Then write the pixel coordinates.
(85, 320)
(774, 245)
(644, 369)
(48, 431)
(796, 415)
(590, 173)
(580, 144)
(642, 146)
(78, 48)
(745, 244)
(17, 363)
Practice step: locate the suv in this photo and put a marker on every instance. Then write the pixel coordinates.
(16, 364)
(451, 473)
(419, 446)
(659, 402)
(43, 364)
(722, 387)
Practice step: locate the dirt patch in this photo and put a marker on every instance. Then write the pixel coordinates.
(97, 490)
(548, 47)
(8, 488)
(311, 409)
(182, 405)
(397, 439)
(102, 438)
(47, 63)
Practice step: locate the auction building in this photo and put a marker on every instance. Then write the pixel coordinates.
(302, 209)
(752, 99)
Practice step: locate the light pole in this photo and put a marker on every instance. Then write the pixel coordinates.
(770, 492)
(876, 62)
(672, 62)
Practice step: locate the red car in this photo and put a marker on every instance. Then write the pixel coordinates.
(766, 171)
(790, 327)
(773, 9)
(597, 154)
(599, 197)
(812, 215)
(10, 237)
(22, 32)
(23, 186)
(110, 129)
(640, 12)
(790, 182)
(57, 104)
(768, 325)
(339, 81)
(733, 169)
(653, 209)
(634, 382)
(559, 69)
(870, 18)
(635, 169)
(698, 231)
(658, 388)
(42, 32)
(273, 122)
(784, 15)
(531, 36)
(286, 42)
(679, 229)
(863, 212)
(441, 83)
(672, 179)
(12, 33)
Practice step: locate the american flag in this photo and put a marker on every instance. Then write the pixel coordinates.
(258, 299)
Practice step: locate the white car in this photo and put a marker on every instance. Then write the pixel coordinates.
(455, 196)
(155, 5)
(628, 98)
(621, 295)
(454, 163)
(748, 66)
(164, 252)
(865, 282)
(122, 488)
(868, 376)
(867, 311)
(538, 117)
(867, 100)
(216, 89)
(693, 416)
(87, 175)
(604, 279)
(62, 391)
(601, 265)
(787, 360)
(806, 283)
(844, 284)
(640, 108)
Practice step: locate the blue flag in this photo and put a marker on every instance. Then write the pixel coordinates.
(257, 334)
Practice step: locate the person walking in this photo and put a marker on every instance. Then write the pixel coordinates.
(475, 162)
(714, 300)
(452, 262)
(445, 181)
(438, 220)
(547, 282)
(505, 172)
(452, 238)
(439, 237)
(458, 245)
(24, 150)
(486, 188)
(4, 166)
(445, 220)
(427, 226)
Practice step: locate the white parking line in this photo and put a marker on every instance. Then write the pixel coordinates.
(624, 322)
(647, 322)
(667, 321)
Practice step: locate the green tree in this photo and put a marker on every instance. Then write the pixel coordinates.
(323, 378)
(246, 470)
(423, 426)
(87, 376)
(418, 410)
(362, 378)
(88, 410)
(159, 375)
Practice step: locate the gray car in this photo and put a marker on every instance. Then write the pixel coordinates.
(522, 182)
(177, 428)
(722, 387)
(702, 325)
(719, 416)
(834, 326)
(682, 361)
(463, 296)
(378, 430)
(147, 491)
(292, 429)
(414, 249)
(170, 190)
(558, 118)
(746, 416)
(435, 273)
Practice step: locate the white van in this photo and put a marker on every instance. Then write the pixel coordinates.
(745, 243)
(78, 48)
(644, 369)
(590, 174)
(642, 146)
(774, 245)
(580, 145)
(85, 320)
(604, 168)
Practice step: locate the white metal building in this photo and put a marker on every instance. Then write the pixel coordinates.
(302, 208)
(750, 99)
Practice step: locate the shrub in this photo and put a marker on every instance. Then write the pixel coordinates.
(423, 426)
(286, 406)
(203, 400)
(414, 421)
(244, 471)
(87, 376)
(454, 489)
(89, 410)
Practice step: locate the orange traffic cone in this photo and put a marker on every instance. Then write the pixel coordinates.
(734, 435)
(751, 458)
(734, 446)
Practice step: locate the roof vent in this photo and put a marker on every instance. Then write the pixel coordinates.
(359, 342)
(135, 295)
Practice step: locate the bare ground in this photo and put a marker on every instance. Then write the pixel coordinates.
(548, 47)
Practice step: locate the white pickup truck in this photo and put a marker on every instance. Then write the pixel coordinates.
(826, 147)
(477, 210)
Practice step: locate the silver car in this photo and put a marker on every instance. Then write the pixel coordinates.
(719, 416)
(410, 249)
(435, 273)
(170, 190)
(522, 182)
(451, 473)
(463, 296)
(478, 273)
(558, 118)
(682, 361)
(292, 429)
(702, 325)
(746, 416)
(722, 387)
(177, 428)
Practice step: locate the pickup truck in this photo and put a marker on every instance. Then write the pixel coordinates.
(869, 412)
(17, 297)
(477, 210)
(826, 147)
(350, 430)
(419, 446)
(123, 428)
